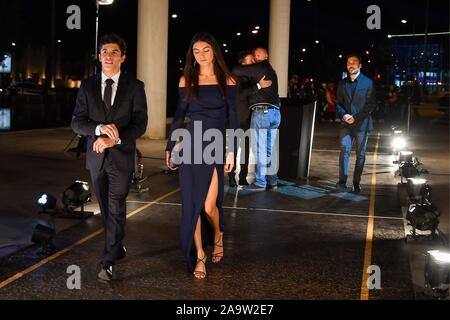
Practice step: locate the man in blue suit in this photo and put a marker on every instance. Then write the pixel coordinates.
(355, 103)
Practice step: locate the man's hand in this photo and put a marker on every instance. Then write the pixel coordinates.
(103, 143)
(348, 118)
(229, 163)
(110, 130)
(265, 83)
(169, 162)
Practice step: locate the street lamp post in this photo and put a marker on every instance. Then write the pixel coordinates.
(98, 3)
(425, 49)
(13, 62)
(97, 7)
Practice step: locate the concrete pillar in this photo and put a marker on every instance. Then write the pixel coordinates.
(280, 14)
(153, 30)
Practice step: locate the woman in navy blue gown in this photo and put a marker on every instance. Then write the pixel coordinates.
(207, 94)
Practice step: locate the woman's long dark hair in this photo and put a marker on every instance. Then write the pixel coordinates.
(191, 70)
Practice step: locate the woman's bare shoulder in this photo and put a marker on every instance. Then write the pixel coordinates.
(231, 81)
(182, 82)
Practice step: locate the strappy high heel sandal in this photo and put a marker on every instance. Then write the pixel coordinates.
(200, 274)
(217, 257)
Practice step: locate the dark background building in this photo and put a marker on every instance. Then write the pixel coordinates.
(45, 52)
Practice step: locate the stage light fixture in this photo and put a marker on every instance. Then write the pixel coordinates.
(78, 194)
(423, 217)
(398, 143)
(47, 202)
(418, 190)
(408, 170)
(437, 270)
(421, 214)
(409, 166)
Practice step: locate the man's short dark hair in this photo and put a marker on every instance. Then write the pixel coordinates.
(354, 55)
(242, 55)
(113, 38)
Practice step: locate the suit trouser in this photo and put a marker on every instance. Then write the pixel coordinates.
(346, 137)
(111, 188)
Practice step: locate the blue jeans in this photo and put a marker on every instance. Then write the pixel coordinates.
(347, 136)
(264, 125)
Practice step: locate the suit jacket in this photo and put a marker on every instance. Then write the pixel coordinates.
(360, 106)
(254, 73)
(245, 89)
(128, 113)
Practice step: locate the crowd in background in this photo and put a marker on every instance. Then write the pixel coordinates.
(392, 101)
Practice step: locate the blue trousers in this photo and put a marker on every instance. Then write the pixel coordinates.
(347, 136)
(264, 127)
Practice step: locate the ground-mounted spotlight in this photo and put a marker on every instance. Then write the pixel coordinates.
(437, 270)
(43, 235)
(75, 196)
(138, 176)
(409, 166)
(398, 143)
(418, 191)
(105, 2)
(47, 203)
(422, 217)
(405, 156)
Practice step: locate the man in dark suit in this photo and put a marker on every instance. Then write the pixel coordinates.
(355, 102)
(111, 111)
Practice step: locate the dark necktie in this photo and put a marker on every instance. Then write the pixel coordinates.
(107, 96)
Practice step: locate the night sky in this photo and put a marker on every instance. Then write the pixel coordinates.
(340, 26)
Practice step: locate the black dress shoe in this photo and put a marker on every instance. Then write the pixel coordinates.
(231, 181)
(122, 253)
(356, 188)
(106, 273)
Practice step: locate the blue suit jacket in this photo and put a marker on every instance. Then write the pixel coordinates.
(360, 106)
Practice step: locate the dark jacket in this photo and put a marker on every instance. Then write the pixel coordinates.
(253, 73)
(128, 113)
(246, 88)
(360, 106)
